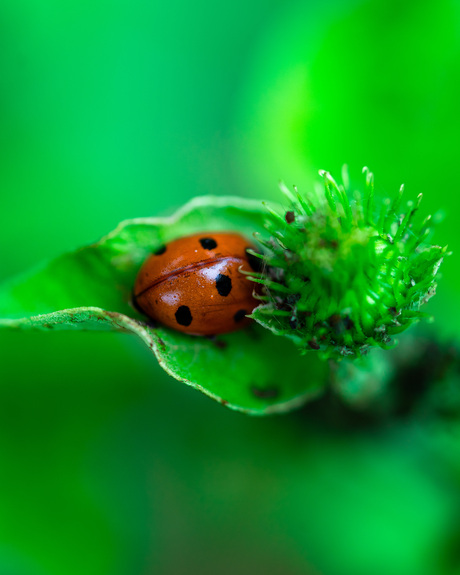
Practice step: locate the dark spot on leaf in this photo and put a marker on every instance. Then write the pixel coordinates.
(223, 285)
(253, 333)
(314, 344)
(265, 392)
(327, 243)
(220, 343)
(240, 314)
(161, 344)
(255, 262)
(289, 217)
(208, 243)
(161, 250)
(183, 315)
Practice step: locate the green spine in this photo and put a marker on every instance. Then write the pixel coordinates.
(342, 273)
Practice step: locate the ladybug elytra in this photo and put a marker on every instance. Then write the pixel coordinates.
(194, 285)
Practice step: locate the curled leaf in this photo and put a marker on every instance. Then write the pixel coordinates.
(90, 289)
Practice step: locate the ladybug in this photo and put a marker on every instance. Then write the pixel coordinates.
(193, 284)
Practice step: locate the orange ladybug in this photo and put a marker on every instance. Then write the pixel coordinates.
(193, 284)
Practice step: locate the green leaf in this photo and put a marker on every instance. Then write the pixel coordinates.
(90, 289)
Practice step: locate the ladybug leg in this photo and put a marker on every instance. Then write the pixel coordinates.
(148, 321)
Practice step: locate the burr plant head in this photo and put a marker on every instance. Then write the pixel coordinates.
(342, 272)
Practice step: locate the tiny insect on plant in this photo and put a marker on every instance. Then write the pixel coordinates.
(194, 285)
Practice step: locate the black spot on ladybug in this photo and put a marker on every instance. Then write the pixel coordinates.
(161, 250)
(240, 314)
(255, 262)
(208, 243)
(265, 392)
(183, 315)
(223, 285)
(289, 217)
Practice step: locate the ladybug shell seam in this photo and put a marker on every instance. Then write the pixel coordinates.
(190, 268)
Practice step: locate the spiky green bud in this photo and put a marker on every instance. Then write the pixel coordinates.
(342, 275)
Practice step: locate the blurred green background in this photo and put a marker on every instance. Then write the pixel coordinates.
(112, 110)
